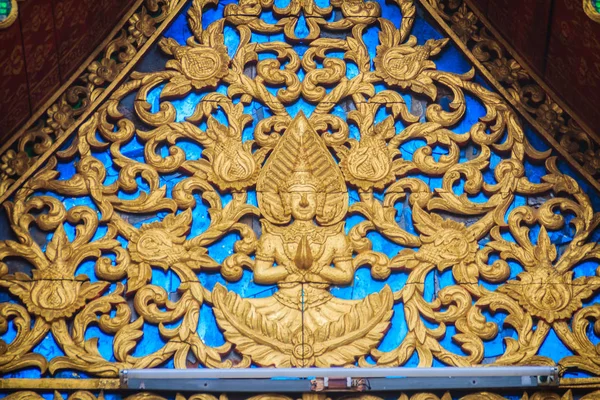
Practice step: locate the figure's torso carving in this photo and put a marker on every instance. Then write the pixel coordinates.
(304, 259)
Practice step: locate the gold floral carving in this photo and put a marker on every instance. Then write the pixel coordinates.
(115, 215)
(85, 395)
(522, 86)
(81, 92)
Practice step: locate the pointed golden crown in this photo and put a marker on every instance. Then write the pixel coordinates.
(302, 174)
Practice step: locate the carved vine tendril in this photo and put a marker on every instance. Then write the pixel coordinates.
(474, 226)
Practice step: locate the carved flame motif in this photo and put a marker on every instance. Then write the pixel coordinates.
(406, 64)
(290, 160)
(199, 65)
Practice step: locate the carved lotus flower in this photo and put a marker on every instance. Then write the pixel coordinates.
(233, 166)
(13, 163)
(54, 295)
(368, 163)
(102, 71)
(54, 292)
(403, 65)
(547, 293)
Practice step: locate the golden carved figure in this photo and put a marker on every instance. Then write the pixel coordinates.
(454, 194)
(302, 324)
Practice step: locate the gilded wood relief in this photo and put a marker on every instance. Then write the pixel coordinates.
(84, 395)
(520, 85)
(82, 93)
(592, 9)
(299, 185)
(8, 13)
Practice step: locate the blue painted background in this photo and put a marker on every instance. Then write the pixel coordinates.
(449, 60)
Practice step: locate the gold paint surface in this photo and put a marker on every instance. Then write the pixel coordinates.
(12, 16)
(520, 85)
(301, 244)
(63, 112)
(591, 11)
(85, 395)
(59, 384)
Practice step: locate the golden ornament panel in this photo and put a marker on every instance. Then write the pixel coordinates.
(520, 85)
(298, 184)
(85, 395)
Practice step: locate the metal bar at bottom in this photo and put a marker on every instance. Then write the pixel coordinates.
(258, 373)
(464, 383)
(269, 380)
(305, 385)
(221, 385)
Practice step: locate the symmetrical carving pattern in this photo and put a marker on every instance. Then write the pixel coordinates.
(150, 187)
(302, 324)
(521, 85)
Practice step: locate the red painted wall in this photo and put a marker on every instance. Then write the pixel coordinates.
(53, 37)
(560, 42)
(48, 42)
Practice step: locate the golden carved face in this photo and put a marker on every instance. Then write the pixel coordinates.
(301, 163)
(303, 202)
